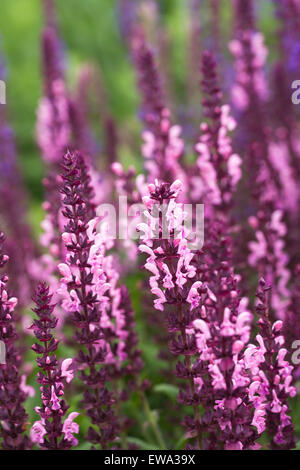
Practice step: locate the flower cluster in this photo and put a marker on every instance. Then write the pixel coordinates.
(209, 332)
(219, 167)
(271, 377)
(222, 334)
(13, 417)
(169, 261)
(163, 146)
(51, 432)
(85, 299)
(163, 342)
(100, 308)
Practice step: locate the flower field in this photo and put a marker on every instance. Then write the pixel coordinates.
(150, 225)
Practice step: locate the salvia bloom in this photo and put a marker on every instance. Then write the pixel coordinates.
(54, 430)
(85, 299)
(269, 246)
(265, 160)
(211, 334)
(291, 323)
(221, 335)
(219, 168)
(54, 131)
(250, 95)
(13, 417)
(60, 119)
(163, 146)
(169, 262)
(100, 307)
(271, 376)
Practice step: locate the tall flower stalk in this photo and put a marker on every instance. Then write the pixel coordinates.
(163, 146)
(218, 166)
(82, 302)
(208, 322)
(100, 309)
(169, 261)
(13, 417)
(222, 334)
(51, 432)
(272, 376)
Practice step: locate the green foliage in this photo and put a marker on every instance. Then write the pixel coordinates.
(170, 390)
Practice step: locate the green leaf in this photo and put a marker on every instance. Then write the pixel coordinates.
(180, 443)
(84, 446)
(142, 444)
(169, 390)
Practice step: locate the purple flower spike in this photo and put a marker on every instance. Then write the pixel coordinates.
(13, 417)
(272, 376)
(163, 146)
(85, 300)
(51, 431)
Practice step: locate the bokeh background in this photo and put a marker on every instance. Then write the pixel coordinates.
(92, 33)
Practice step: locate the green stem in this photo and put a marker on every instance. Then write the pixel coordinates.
(152, 421)
(123, 434)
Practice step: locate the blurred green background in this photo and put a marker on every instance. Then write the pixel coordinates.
(90, 31)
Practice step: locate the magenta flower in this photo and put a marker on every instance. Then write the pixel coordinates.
(272, 377)
(218, 166)
(208, 321)
(38, 432)
(49, 432)
(70, 428)
(85, 299)
(170, 263)
(100, 309)
(163, 146)
(67, 370)
(12, 393)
